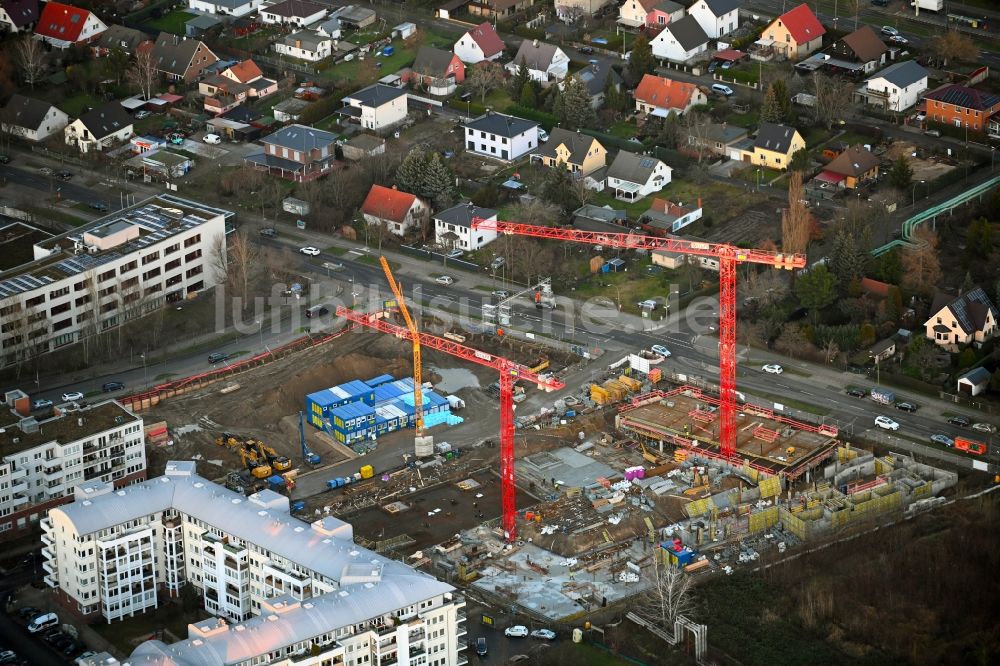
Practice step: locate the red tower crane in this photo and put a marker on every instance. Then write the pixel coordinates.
(510, 372)
(727, 255)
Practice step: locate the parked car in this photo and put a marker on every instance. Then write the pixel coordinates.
(497, 262)
(587, 50)
(72, 648)
(773, 369)
(723, 90)
(547, 634)
(517, 631)
(454, 254)
(28, 612)
(907, 406)
(445, 279)
(712, 65)
(43, 403)
(727, 64)
(213, 139)
(269, 232)
(63, 174)
(70, 396)
(898, 39)
(543, 136)
(501, 294)
(8, 657)
(309, 250)
(933, 132)
(943, 440)
(45, 171)
(886, 423)
(660, 350)
(960, 421)
(4, 159)
(139, 115)
(481, 647)
(984, 427)
(176, 138)
(61, 642)
(889, 30)
(316, 311)
(113, 386)
(217, 357)
(98, 206)
(880, 3)
(42, 622)
(857, 393)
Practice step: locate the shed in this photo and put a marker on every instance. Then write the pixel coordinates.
(361, 146)
(882, 350)
(295, 206)
(404, 30)
(289, 110)
(613, 266)
(974, 382)
(201, 24)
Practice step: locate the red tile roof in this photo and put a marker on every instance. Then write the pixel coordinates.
(60, 21)
(246, 71)
(387, 203)
(670, 208)
(874, 288)
(486, 36)
(664, 93)
(802, 24)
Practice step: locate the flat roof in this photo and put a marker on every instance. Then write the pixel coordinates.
(17, 241)
(71, 426)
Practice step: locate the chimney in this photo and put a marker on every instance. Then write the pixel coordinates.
(699, 202)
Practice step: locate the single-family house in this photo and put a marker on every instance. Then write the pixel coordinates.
(545, 62)
(897, 87)
(330, 27)
(970, 318)
(161, 163)
(222, 94)
(181, 59)
(361, 146)
(663, 13)
(578, 153)
(479, 44)
(974, 381)
(99, 128)
(453, 227)
(296, 153)
(306, 45)
(248, 73)
(680, 41)
(715, 138)
(31, 119)
(432, 63)
(854, 166)
(882, 350)
(501, 136)
(666, 217)
(863, 47)
(498, 9)
(961, 106)
(297, 13)
(63, 26)
(774, 146)
(590, 217)
(632, 13)
(716, 17)
(595, 76)
(290, 110)
(377, 107)
(225, 7)
(671, 260)
(632, 177)
(796, 33)
(119, 38)
(18, 15)
(398, 211)
(572, 10)
(660, 97)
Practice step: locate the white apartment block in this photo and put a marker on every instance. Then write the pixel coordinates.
(284, 591)
(96, 277)
(45, 457)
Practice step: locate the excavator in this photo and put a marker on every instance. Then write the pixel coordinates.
(257, 466)
(279, 463)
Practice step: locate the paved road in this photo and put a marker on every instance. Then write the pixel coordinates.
(13, 635)
(50, 185)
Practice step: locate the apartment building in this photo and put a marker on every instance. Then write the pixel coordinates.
(44, 456)
(284, 591)
(109, 271)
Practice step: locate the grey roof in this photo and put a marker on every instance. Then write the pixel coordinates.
(976, 376)
(902, 74)
(376, 95)
(772, 136)
(668, 6)
(173, 54)
(595, 76)
(969, 309)
(306, 39)
(722, 7)
(300, 137)
(462, 214)
(601, 213)
(330, 25)
(25, 112)
(365, 142)
(230, 4)
(577, 143)
(204, 22)
(535, 54)
(120, 37)
(296, 8)
(501, 124)
(432, 61)
(632, 168)
(688, 32)
(21, 12)
(882, 346)
(106, 119)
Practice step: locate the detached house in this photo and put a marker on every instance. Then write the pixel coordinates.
(31, 119)
(968, 319)
(432, 64)
(660, 97)
(681, 41)
(596, 77)
(120, 38)
(479, 44)
(895, 88)
(181, 59)
(500, 136)
(961, 106)
(716, 17)
(632, 13)
(305, 45)
(774, 146)
(377, 107)
(234, 85)
(248, 73)
(632, 177)
(297, 153)
(796, 33)
(398, 211)
(576, 152)
(63, 26)
(498, 9)
(297, 13)
(225, 7)
(663, 13)
(99, 128)
(18, 15)
(545, 62)
(863, 47)
(571, 10)
(665, 217)
(453, 227)
(853, 167)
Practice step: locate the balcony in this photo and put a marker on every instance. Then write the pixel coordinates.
(50, 567)
(49, 463)
(19, 487)
(18, 473)
(47, 539)
(53, 473)
(462, 660)
(51, 580)
(47, 552)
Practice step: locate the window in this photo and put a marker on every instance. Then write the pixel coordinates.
(193, 240)
(127, 267)
(173, 248)
(150, 258)
(59, 292)
(104, 277)
(33, 302)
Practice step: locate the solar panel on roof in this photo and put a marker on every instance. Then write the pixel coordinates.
(646, 163)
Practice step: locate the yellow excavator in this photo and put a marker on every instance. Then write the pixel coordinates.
(265, 452)
(258, 467)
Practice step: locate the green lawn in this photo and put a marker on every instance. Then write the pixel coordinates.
(77, 104)
(623, 130)
(172, 22)
(633, 210)
(498, 100)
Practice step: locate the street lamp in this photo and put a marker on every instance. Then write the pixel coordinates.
(145, 377)
(914, 192)
(260, 330)
(758, 179)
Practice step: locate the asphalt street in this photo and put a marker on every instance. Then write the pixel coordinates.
(13, 634)
(50, 185)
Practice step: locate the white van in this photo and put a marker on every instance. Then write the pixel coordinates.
(43, 621)
(722, 90)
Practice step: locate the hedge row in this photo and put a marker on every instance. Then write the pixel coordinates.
(546, 120)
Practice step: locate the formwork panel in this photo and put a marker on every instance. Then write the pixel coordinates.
(699, 507)
(770, 487)
(763, 520)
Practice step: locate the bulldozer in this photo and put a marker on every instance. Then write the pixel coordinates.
(228, 440)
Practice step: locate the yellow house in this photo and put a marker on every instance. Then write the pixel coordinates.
(774, 146)
(796, 33)
(632, 13)
(580, 153)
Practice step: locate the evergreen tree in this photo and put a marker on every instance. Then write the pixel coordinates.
(816, 289)
(995, 380)
(410, 174)
(641, 62)
(558, 188)
(521, 77)
(527, 98)
(770, 110)
(575, 110)
(967, 358)
(901, 174)
(558, 108)
(438, 183)
(848, 259)
(614, 100)
(979, 237)
(783, 100)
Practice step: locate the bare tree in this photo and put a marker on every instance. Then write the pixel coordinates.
(763, 286)
(833, 98)
(580, 190)
(795, 220)
(30, 55)
(485, 78)
(953, 45)
(143, 73)
(670, 596)
(921, 266)
(697, 125)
